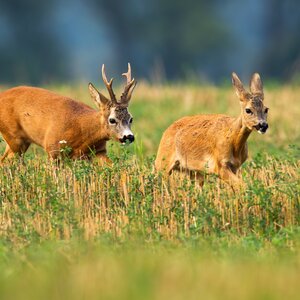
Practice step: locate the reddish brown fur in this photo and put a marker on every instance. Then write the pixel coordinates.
(34, 115)
(213, 143)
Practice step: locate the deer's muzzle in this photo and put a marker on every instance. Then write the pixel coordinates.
(127, 138)
(262, 127)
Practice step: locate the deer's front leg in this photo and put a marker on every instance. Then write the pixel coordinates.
(197, 178)
(102, 159)
(227, 174)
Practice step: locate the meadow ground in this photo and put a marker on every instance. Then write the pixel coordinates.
(79, 231)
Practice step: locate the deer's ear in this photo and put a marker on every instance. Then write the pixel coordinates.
(256, 86)
(239, 88)
(97, 96)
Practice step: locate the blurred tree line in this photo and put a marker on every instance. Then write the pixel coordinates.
(32, 52)
(166, 39)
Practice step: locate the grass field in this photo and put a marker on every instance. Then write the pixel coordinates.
(79, 231)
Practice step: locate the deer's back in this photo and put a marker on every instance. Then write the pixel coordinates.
(32, 113)
(20, 99)
(204, 129)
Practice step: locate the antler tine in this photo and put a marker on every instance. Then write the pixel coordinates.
(108, 85)
(128, 74)
(127, 93)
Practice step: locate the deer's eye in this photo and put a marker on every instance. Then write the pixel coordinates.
(112, 121)
(130, 121)
(266, 110)
(248, 111)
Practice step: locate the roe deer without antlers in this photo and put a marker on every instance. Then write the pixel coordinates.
(34, 115)
(214, 143)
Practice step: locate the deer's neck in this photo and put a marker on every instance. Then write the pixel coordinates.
(93, 128)
(240, 134)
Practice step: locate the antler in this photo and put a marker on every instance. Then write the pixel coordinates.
(128, 88)
(108, 85)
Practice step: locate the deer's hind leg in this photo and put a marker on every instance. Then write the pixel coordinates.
(7, 153)
(170, 165)
(15, 147)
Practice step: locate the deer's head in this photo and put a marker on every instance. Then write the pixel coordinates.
(254, 112)
(115, 114)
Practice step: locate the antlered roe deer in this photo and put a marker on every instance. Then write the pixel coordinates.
(215, 143)
(34, 115)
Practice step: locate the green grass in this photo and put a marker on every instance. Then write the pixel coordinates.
(79, 231)
(107, 269)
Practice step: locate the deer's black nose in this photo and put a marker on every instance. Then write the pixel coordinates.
(263, 126)
(129, 138)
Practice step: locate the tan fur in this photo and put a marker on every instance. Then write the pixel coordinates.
(34, 115)
(213, 143)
